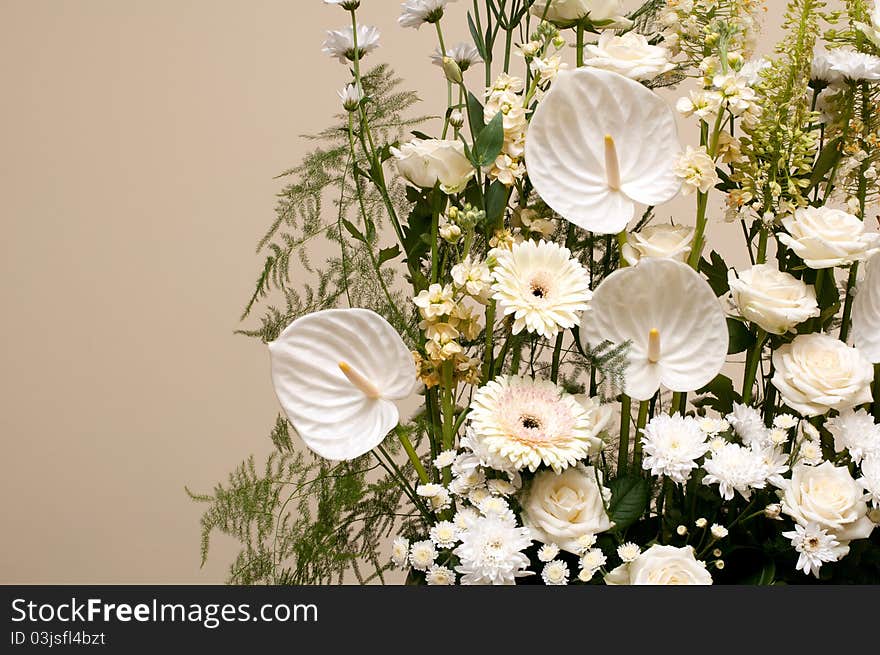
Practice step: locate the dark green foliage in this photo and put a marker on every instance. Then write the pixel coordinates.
(629, 500)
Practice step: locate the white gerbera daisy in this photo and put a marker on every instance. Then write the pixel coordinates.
(422, 555)
(440, 576)
(856, 432)
(629, 552)
(491, 552)
(541, 286)
(736, 468)
(463, 54)
(400, 552)
(444, 534)
(532, 422)
(815, 546)
(555, 573)
(672, 444)
(340, 43)
(418, 12)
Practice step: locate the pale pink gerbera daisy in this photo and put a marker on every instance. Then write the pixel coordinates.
(532, 422)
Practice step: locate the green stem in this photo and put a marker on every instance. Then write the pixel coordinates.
(413, 457)
(699, 231)
(621, 242)
(435, 236)
(675, 404)
(848, 303)
(752, 361)
(763, 237)
(557, 355)
(580, 45)
(489, 353)
(448, 82)
(623, 448)
(642, 421)
(876, 407)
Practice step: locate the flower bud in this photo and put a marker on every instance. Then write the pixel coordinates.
(773, 511)
(456, 119)
(452, 70)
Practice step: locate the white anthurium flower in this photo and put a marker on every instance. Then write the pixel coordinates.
(866, 313)
(337, 374)
(670, 316)
(599, 144)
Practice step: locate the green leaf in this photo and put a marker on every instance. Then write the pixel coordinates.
(719, 395)
(477, 37)
(489, 143)
(420, 135)
(826, 160)
(629, 500)
(496, 202)
(387, 254)
(741, 339)
(766, 576)
(353, 231)
(716, 273)
(475, 115)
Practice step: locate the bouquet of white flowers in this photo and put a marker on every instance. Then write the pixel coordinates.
(584, 414)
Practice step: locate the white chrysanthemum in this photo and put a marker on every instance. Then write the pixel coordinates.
(870, 479)
(495, 506)
(340, 43)
(440, 576)
(548, 552)
(629, 552)
(713, 426)
(444, 534)
(815, 546)
(748, 424)
(468, 465)
(593, 560)
(400, 552)
(718, 531)
(491, 552)
(855, 432)
(532, 422)
(498, 487)
(542, 286)
(445, 459)
(555, 573)
(584, 543)
(777, 436)
(853, 64)
(701, 523)
(735, 468)
(696, 170)
(463, 54)
(422, 555)
(477, 495)
(775, 464)
(810, 452)
(438, 496)
(672, 444)
(464, 518)
(785, 421)
(418, 12)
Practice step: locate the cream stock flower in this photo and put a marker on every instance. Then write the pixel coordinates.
(697, 170)
(541, 286)
(532, 422)
(824, 237)
(631, 55)
(830, 498)
(425, 162)
(560, 508)
(816, 373)
(662, 565)
(771, 299)
(668, 241)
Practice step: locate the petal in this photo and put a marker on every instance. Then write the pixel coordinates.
(866, 313)
(335, 418)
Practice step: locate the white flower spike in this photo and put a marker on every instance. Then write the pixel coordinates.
(337, 374)
(599, 144)
(672, 319)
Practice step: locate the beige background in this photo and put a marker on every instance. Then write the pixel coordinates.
(138, 144)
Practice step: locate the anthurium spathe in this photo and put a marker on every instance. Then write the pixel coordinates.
(672, 320)
(337, 374)
(598, 145)
(866, 313)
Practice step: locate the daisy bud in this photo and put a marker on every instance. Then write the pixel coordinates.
(701, 523)
(719, 564)
(716, 552)
(718, 531)
(773, 511)
(681, 530)
(452, 70)
(456, 119)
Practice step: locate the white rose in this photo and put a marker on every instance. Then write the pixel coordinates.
(668, 241)
(772, 300)
(828, 496)
(566, 12)
(662, 565)
(825, 237)
(630, 55)
(816, 373)
(559, 508)
(424, 162)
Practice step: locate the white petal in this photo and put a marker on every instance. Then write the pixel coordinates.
(671, 297)
(565, 148)
(866, 313)
(335, 418)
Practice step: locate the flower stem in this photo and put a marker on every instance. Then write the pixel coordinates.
(848, 303)
(413, 456)
(623, 448)
(642, 421)
(752, 361)
(448, 82)
(580, 45)
(876, 407)
(489, 353)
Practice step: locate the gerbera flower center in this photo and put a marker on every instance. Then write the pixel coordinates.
(530, 422)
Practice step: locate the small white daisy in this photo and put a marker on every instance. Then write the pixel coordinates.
(500, 487)
(351, 97)
(816, 547)
(422, 555)
(464, 54)
(495, 506)
(593, 560)
(440, 576)
(713, 426)
(465, 517)
(548, 552)
(418, 12)
(478, 495)
(701, 523)
(340, 43)
(400, 552)
(555, 573)
(629, 552)
(718, 531)
(854, 65)
(444, 534)
(445, 459)
(785, 422)
(584, 543)
(438, 496)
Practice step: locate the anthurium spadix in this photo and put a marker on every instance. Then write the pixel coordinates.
(337, 374)
(866, 313)
(598, 145)
(675, 326)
